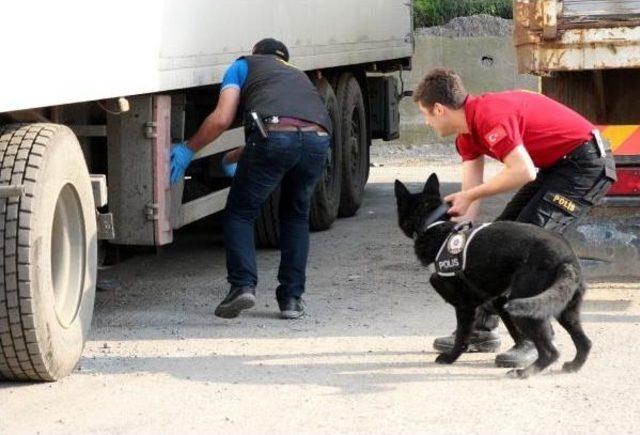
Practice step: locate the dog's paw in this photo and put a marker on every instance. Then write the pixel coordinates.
(445, 358)
(517, 374)
(570, 367)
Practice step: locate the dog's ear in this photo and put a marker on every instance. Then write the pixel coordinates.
(401, 191)
(432, 186)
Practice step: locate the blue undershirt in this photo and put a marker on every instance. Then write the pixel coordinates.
(236, 75)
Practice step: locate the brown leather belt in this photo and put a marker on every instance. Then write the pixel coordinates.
(280, 127)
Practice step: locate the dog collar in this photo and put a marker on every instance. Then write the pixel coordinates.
(435, 217)
(436, 223)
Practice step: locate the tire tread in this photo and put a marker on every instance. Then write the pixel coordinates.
(22, 147)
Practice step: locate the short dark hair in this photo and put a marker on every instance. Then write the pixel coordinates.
(442, 86)
(272, 46)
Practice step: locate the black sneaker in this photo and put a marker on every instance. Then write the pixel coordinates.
(520, 355)
(292, 308)
(238, 299)
(480, 341)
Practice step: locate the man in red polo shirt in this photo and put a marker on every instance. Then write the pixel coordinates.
(553, 156)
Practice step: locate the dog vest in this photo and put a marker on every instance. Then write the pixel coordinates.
(452, 256)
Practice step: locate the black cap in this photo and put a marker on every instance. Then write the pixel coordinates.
(272, 46)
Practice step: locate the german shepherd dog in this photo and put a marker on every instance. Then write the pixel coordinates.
(527, 273)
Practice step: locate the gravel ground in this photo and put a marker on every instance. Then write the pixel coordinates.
(468, 27)
(158, 361)
(402, 155)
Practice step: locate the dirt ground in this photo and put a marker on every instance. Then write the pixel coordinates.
(159, 361)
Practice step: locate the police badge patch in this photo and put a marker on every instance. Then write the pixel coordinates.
(451, 258)
(456, 243)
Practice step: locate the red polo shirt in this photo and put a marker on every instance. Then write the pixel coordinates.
(499, 122)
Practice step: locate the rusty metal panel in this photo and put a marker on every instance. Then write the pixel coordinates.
(545, 44)
(599, 13)
(583, 49)
(600, 8)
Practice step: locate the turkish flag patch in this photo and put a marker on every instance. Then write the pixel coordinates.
(495, 135)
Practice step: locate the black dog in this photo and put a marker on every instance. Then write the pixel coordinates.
(529, 274)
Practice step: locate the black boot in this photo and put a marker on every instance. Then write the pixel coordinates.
(480, 341)
(520, 355)
(484, 337)
(291, 308)
(238, 299)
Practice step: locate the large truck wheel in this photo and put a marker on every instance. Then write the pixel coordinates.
(267, 226)
(355, 150)
(326, 198)
(48, 252)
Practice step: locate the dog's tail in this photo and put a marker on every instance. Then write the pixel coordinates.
(551, 301)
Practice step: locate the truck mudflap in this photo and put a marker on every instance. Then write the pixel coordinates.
(608, 241)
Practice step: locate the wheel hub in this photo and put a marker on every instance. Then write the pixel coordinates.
(68, 256)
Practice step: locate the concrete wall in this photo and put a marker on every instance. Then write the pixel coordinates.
(485, 64)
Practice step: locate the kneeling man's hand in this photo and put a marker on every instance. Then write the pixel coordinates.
(460, 203)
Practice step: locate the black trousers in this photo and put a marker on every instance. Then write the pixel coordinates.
(558, 199)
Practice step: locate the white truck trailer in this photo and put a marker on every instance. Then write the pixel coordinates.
(587, 53)
(92, 94)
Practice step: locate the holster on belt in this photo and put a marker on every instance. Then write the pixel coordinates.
(609, 176)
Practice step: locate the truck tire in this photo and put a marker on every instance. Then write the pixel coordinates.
(267, 226)
(355, 150)
(326, 197)
(48, 252)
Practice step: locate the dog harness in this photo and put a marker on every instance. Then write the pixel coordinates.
(452, 256)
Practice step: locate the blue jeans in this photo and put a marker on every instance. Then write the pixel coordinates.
(295, 161)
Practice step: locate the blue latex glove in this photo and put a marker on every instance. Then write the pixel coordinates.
(229, 169)
(181, 156)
